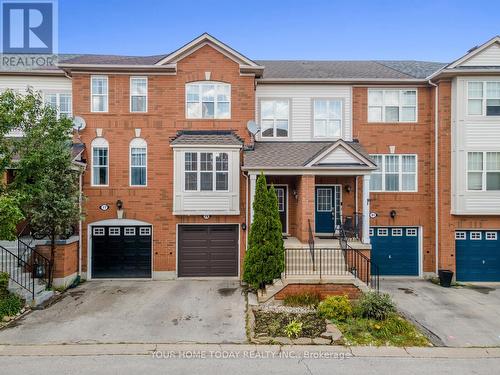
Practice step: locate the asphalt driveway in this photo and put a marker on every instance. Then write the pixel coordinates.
(138, 311)
(458, 317)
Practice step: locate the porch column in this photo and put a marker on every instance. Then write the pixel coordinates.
(305, 207)
(253, 180)
(366, 209)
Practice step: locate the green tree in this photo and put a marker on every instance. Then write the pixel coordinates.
(45, 176)
(264, 260)
(10, 215)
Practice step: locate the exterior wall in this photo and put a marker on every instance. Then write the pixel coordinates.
(165, 116)
(471, 133)
(65, 261)
(488, 57)
(301, 102)
(412, 208)
(448, 222)
(207, 202)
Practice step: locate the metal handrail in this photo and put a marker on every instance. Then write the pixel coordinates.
(311, 243)
(15, 267)
(39, 265)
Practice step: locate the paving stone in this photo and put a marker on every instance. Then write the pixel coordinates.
(302, 341)
(321, 341)
(283, 340)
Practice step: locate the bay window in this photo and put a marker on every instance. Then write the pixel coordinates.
(206, 171)
(327, 118)
(274, 118)
(396, 172)
(483, 171)
(392, 105)
(208, 100)
(483, 98)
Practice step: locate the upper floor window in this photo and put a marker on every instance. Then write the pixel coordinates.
(60, 102)
(138, 162)
(208, 100)
(100, 162)
(327, 118)
(483, 171)
(99, 94)
(392, 105)
(206, 171)
(483, 98)
(274, 116)
(138, 94)
(394, 173)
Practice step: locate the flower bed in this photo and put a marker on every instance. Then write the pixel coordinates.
(273, 322)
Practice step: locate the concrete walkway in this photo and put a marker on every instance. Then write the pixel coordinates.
(458, 317)
(122, 311)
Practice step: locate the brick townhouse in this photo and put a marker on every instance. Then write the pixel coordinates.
(405, 155)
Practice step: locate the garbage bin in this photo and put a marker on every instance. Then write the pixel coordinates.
(445, 277)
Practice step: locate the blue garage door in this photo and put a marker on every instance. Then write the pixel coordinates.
(478, 255)
(395, 250)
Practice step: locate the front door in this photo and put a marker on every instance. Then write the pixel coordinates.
(281, 193)
(327, 211)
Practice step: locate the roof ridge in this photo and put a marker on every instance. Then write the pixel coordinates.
(392, 68)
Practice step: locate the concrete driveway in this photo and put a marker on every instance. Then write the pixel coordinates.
(458, 317)
(138, 311)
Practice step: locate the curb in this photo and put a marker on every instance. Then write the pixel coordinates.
(176, 350)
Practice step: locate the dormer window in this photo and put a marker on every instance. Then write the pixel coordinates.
(208, 100)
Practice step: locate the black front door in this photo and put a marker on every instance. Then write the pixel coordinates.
(281, 193)
(121, 252)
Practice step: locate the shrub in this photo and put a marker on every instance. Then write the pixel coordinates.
(373, 305)
(335, 308)
(4, 284)
(302, 299)
(10, 305)
(293, 329)
(271, 323)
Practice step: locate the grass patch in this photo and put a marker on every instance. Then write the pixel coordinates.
(302, 299)
(393, 331)
(275, 324)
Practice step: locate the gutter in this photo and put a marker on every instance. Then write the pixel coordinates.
(436, 173)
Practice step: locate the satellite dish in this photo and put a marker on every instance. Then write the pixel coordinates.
(79, 123)
(252, 127)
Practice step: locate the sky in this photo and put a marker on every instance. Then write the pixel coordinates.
(432, 30)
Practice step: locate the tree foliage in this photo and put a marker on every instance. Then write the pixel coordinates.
(265, 257)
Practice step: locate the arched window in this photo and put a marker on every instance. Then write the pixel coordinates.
(138, 162)
(208, 100)
(100, 162)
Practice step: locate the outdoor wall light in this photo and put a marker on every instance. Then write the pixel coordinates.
(119, 204)
(393, 214)
(295, 194)
(348, 188)
(243, 226)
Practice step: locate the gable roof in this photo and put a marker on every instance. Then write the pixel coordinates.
(300, 155)
(348, 70)
(474, 52)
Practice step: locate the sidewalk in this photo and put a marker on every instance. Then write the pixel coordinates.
(190, 351)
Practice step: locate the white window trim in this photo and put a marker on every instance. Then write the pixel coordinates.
(200, 99)
(483, 99)
(99, 143)
(98, 231)
(146, 96)
(476, 233)
(411, 232)
(102, 95)
(332, 198)
(144, 231)
(341, 119)
(112, 231)
(382, 232)
(198, 172)
(395, 231)
(289, 119)
(400, 174)
(491, 236)
(484, 172)
(371, 232)
(460, 235)
(58, 102)
(143, 144)
(383, 121)
(130, 230)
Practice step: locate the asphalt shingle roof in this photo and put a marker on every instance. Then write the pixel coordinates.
(209, 137)
(289, 154)
(114, 59)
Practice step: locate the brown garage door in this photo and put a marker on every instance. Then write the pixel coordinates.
(208, 250)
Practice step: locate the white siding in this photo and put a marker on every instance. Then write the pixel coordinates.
(489, 57)
(301, 101)
(207, 202)
(339, 156)
(471, 133)
(44, 84)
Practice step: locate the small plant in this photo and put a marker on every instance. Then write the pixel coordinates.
(4, 284)
(10, 305)
(302, 299)
(293, 329)
(335, 308)
(373, 305)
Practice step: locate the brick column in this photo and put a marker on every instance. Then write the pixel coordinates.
(305, 206)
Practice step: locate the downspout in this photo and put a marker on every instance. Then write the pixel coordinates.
(436, 173)
(246, 211)
(80, 200)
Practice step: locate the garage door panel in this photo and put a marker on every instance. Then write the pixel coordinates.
(477, 259)
(208, 250)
